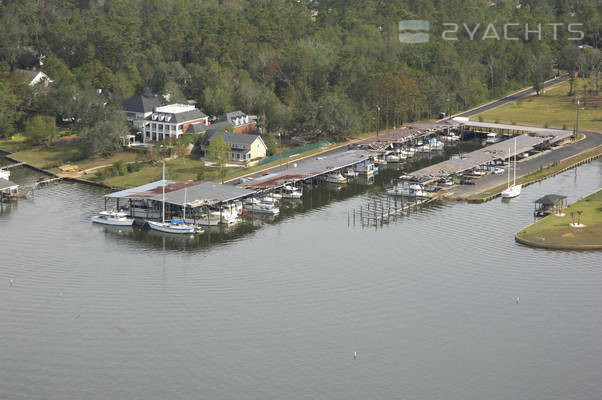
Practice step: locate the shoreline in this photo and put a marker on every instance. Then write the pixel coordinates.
(552, 228)
(496, 191)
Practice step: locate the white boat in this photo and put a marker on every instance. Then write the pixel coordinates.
(408, 153)
(173, 226)
(411, 191)
(257, 206)
(350, 173)
(291, 192)
(434, 144)
(269, 200)
(451, 138)
(492, 137)
(393, 158)
(513, 190)
(336, 178)
(4, 174)
(228, 214)
(114, 218)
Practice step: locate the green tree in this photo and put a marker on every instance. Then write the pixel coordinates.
(218, 151)
(8, 105)
(570, 58)
(41, 129)
(104, 137)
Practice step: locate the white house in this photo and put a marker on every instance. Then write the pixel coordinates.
(173, 120)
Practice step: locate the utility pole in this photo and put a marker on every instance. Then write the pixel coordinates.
(377, 120)
(280, 139)
(577, 121)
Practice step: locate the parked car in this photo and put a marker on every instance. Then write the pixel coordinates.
(498, 171)
(467, 182)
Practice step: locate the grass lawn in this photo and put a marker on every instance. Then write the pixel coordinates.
(50, 158)
(14, 144)
(537, 175)
(181, 169)
(554, 108)
(557, 230)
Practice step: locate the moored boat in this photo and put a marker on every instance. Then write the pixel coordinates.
(291, 192)
(257, 206)
(4, 174)
(513, 190)
(114, 218)
(336, 178)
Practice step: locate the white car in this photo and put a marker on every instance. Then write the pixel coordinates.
(498, 171)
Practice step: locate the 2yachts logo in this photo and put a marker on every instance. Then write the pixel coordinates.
(510, 31)
(414, 26)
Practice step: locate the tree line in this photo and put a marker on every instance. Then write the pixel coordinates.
(325, 69)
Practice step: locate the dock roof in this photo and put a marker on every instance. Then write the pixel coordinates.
(6, 184)
(537, 131)
(498, 151)
(195, 193)
(307, 169)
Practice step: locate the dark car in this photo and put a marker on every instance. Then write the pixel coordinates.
(467, 182)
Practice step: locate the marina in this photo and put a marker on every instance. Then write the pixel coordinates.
(287, 324)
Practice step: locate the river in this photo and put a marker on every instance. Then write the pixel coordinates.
(276, 309)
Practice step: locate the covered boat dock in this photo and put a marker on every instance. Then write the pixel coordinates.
(308, 170)
(146, 201)
(496, 152)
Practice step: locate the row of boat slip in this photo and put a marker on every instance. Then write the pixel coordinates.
(402, 153)
(227, 214)
(409, 190)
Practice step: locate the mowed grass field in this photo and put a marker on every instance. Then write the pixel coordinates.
(553, 109)
(554, 230)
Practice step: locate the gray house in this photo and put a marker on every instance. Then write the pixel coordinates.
(138, 107)
(243, 147)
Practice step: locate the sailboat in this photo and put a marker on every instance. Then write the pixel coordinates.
(514, 189)
(173, 226)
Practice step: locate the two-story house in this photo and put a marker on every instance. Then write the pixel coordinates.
(172, 121)
(138, 107)
(243, 147)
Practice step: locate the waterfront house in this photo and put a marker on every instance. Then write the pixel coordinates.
(138, 107)
(243, 147)
(172, 121)
(240, 122)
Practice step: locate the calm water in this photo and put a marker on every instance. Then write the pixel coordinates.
(275, 309)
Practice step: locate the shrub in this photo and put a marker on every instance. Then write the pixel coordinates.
(120, 168)
(480, 118)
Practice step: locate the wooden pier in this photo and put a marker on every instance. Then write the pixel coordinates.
(380, 211)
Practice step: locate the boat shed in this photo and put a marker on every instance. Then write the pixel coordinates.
(8, 188)
(498, 151)
(196, 194)
(547, 203)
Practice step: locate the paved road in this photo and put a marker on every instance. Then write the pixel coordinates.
(505, 100)
(528, 166)
(512, 97)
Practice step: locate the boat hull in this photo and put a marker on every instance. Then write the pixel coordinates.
(169, 228)
(113, 222)
(512, 192)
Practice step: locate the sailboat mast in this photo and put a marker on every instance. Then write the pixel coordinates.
(509, 165)
(163, 208)
(514, 183)
(185, 192)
